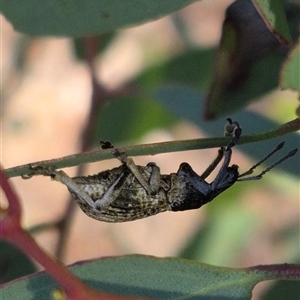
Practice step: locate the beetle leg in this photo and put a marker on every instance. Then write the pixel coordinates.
(232, 129)
(154, 179)
(62, 177)
(214, 164)
(113, 192)
(152, 186)
(223, 170)
(197, 181)
(109, 196)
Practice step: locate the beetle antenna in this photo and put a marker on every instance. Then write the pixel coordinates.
(259, 176)
(250, 171)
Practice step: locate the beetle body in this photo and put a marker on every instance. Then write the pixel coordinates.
(130, 192)
(175, 192)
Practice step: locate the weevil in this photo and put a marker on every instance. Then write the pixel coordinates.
(130, 192)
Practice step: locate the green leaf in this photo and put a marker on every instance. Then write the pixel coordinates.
(247, 50)
(290, 71)
(13, 263)
(248, 59)
(222, 102)
(193, 68)
(81, 18)
(273, 14)
(168, 278)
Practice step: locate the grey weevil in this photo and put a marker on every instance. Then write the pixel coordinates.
(130, 192)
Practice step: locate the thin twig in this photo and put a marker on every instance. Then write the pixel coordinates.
(152, 149)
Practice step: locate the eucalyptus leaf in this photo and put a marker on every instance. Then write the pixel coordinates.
(160, 278)
(78, 18)
(249, 56)
(272, 12)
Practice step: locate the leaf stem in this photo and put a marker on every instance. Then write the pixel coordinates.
(279, 271)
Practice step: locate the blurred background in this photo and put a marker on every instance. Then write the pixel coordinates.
(46, 99)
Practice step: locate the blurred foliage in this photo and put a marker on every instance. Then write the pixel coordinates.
(290, 74)
(283, 290)
(132, 118)
(193, 68)
(102, 44)
(175, 89)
